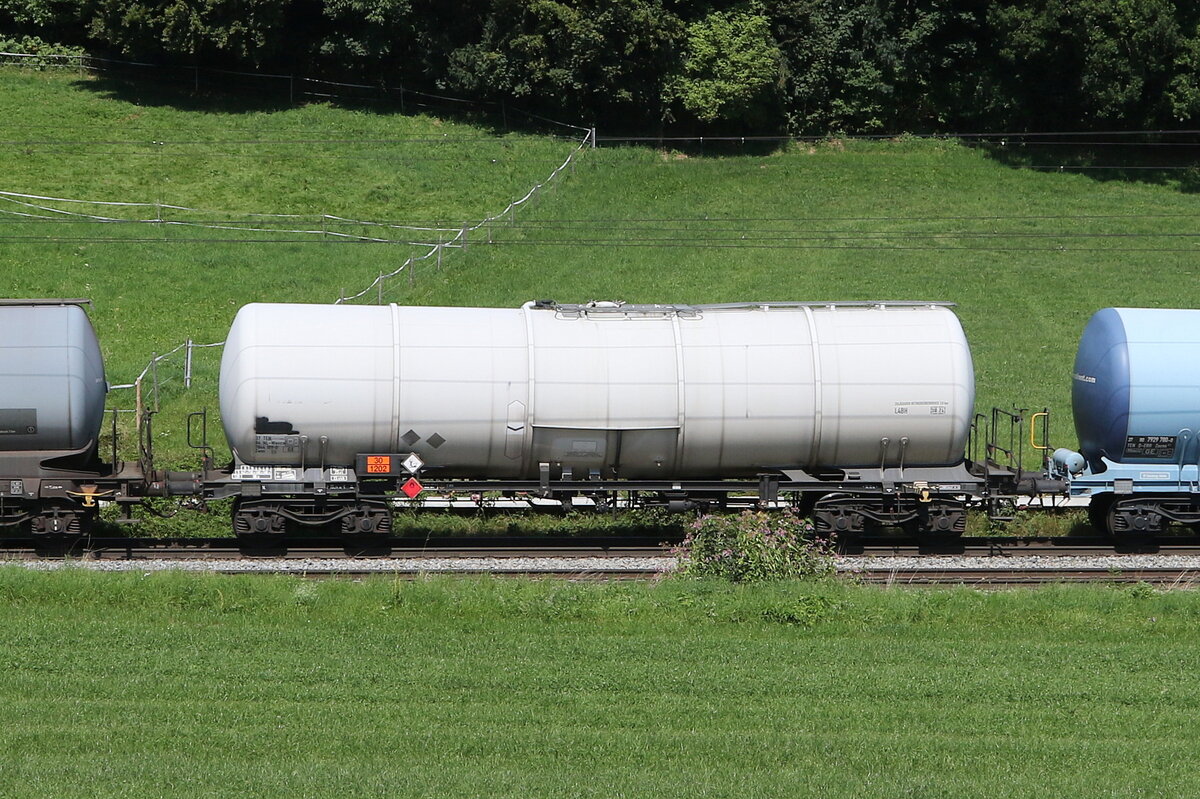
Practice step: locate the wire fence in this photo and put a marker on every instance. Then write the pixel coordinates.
(147, 386)
(461, 237)
(321, 227)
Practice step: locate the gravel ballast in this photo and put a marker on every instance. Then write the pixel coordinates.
(578, 565)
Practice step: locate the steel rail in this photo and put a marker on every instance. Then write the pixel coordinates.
(645, 545)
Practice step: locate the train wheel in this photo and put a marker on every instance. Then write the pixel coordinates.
(370, 521)
(1098, 510)
(839, 516)
(252, 522)
(60, 522)
(940, 522)
(1134, 521)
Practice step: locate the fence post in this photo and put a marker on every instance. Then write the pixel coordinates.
(154, 371)
(187, 366)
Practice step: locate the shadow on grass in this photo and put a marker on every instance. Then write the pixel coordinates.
(205, 90)
(208, 91)
(1169, 160)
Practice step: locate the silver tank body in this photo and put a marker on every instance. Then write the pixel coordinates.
(52, 385)
(636, 391)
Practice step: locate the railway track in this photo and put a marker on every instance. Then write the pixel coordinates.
(990, 562)
(107, 548)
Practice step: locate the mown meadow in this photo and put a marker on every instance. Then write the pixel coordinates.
(144, 685)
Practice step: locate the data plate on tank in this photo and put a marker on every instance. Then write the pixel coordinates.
(266, 473)
(1150, 446)
(920, 407)
(276, 444)
(18, 421)
(245, 472)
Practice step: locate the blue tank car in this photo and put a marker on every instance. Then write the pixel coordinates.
(1136, 400)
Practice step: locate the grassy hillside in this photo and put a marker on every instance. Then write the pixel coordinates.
(1027, 255)
(156, 285)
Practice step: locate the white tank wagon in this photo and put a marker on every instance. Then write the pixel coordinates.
(600, 391)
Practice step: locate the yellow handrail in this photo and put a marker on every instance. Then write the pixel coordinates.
(1033, 426)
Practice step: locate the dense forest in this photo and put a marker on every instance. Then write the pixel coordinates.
(793, 66)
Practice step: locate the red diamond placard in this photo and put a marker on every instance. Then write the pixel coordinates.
(411, 488)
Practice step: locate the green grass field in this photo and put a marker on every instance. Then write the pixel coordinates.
(1026, 254)
(131, 685)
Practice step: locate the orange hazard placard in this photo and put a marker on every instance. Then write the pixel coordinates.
(379, 464)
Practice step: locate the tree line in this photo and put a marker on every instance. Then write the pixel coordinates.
(789, 66)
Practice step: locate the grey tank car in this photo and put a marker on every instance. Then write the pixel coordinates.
(52, 385)
(639, 392)
(857, 412)
(52, 398)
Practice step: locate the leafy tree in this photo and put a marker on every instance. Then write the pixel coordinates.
(870, 65)
(250, 31)
(1068, 63)
(810, 66)
(585, 56)
(732, 67)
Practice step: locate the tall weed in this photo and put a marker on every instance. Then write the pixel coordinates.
(754, 546)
